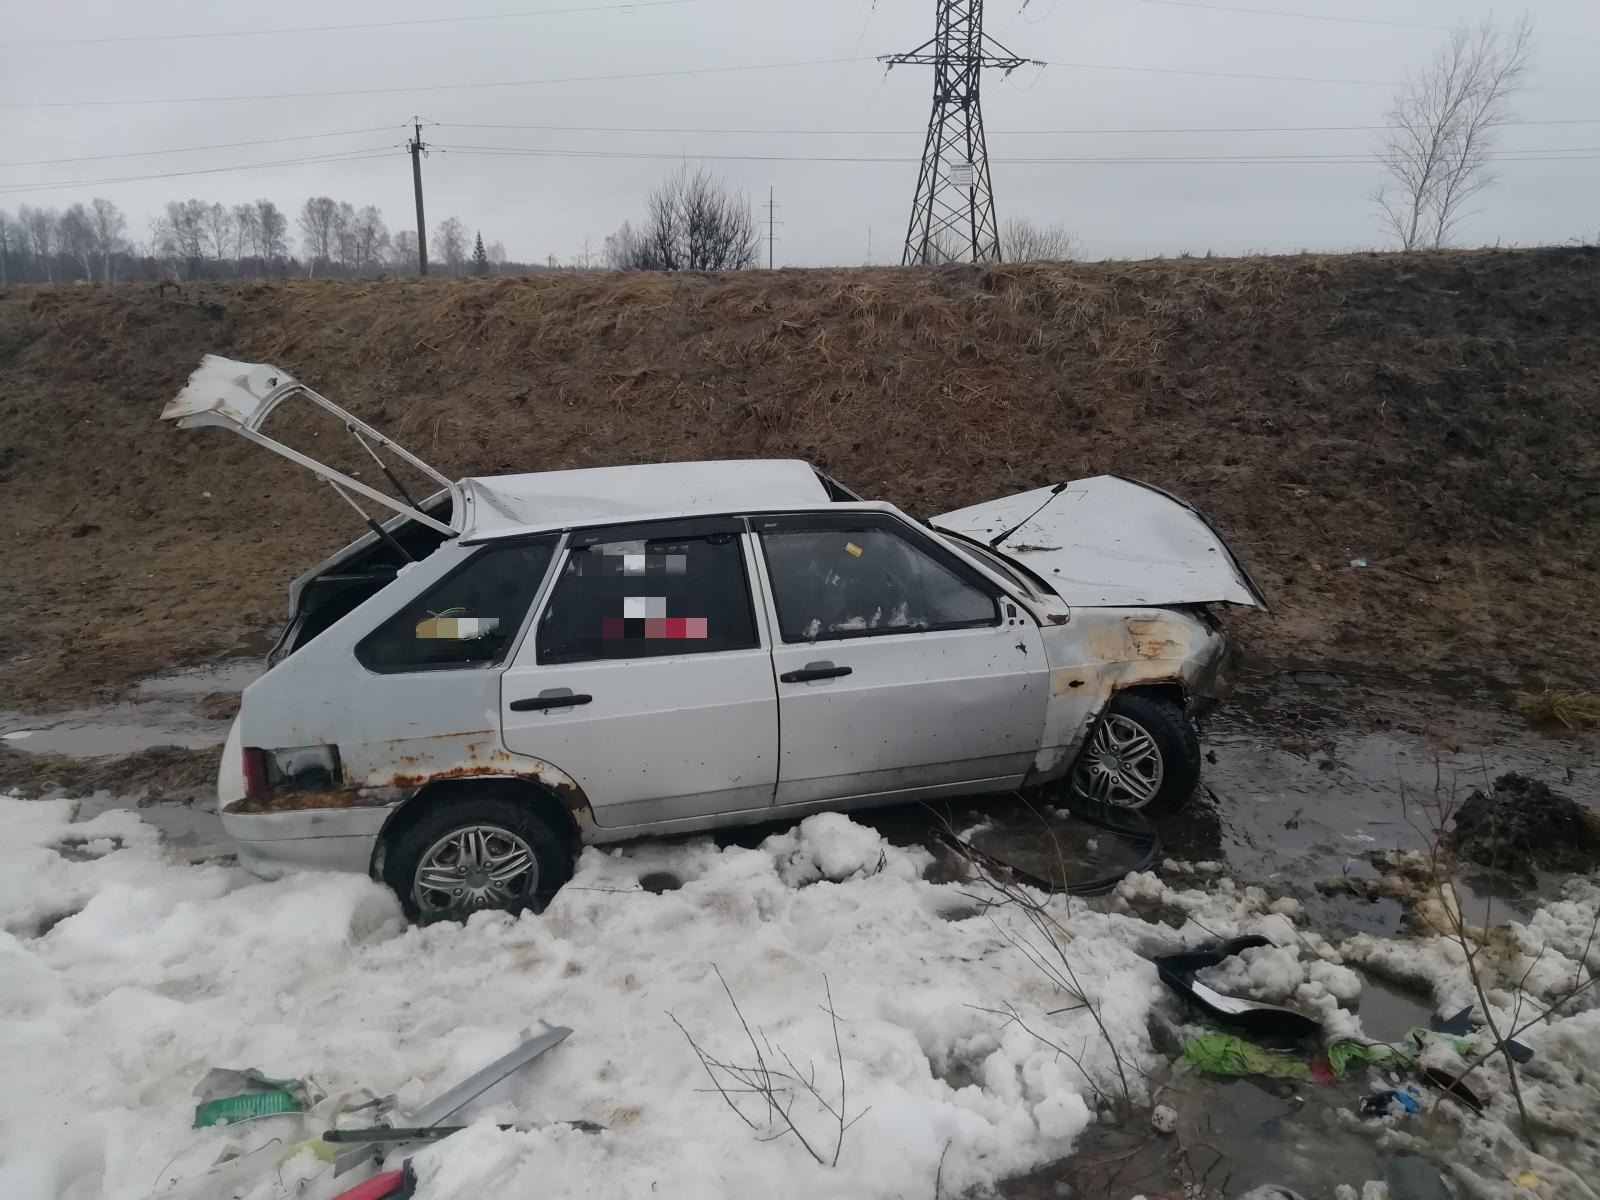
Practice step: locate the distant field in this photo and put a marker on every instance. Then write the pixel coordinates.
(1436, 415)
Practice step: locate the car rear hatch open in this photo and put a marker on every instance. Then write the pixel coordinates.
(239, 397)
(1111, 542)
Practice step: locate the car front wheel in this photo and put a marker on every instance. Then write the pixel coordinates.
(469, 855)
(1143, 754)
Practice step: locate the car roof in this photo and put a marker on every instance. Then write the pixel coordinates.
(498, 506)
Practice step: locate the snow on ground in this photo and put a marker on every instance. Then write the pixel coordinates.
(109, 1015)
(125, 975)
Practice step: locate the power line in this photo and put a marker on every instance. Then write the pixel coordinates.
(685, 71)
(1551, 154)
(1301, 16)
(340, 156)
(697, 129)
(243, 33)
(303, 137)
(992, 132)
(1536, 155)
(437, 87)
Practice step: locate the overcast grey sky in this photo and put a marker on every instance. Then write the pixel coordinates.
(547, 204)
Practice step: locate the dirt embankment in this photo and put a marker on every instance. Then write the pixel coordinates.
(1435, 415)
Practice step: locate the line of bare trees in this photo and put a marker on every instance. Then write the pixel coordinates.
(193, 239)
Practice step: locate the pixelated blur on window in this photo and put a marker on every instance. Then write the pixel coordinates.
(649, 599)
(468, 618)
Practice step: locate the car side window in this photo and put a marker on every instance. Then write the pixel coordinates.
(467, 619)
(626, 594)
(838, 580)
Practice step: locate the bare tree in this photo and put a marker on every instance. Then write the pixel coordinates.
(179, 235)
(109, 224)
(217, 223)
(586, 252)
(371, 238)
(497, 255)
(246, 234)
(450, 239)
(403, 251)
(76, 233)
(8, 235)
(1438, 145)
(39, 226)
(694, 222)
(273, 231)
(1023, 241)
(344, 235)
(319, 217)
(621, 248)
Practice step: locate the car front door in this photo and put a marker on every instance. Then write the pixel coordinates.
(647, 676)
(901, 669)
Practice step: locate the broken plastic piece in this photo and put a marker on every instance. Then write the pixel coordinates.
(464, 1093)
(391, 1185)
(1453, 1087)
(1462, 1024)
(1384, 1103)
(1267, 1020)
(228, 1095)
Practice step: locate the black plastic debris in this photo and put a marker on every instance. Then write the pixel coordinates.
(1462, 1025)
(1177, 971)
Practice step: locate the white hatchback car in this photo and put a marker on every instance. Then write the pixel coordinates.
(521, 665)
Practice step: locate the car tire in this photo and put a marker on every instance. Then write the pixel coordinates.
(471, 848)
(1143, 754)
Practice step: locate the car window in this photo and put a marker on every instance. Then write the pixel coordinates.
(836, 582)
(648, 597)
(467, 619)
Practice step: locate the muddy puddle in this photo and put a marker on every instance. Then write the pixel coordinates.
(1233, 1136)
(1308, 772)
(191, 708)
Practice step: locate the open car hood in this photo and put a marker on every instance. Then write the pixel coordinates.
(1109, 542)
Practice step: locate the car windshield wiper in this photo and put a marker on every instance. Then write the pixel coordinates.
(1054, 492)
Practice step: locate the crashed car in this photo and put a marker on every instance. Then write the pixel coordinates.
(520, 665)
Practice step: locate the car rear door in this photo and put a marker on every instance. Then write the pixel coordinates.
(901, 669)
(647, 675)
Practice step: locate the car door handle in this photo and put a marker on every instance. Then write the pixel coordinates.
(816, 670)
(547, 700)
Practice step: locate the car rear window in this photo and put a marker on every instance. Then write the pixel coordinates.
(469, 618)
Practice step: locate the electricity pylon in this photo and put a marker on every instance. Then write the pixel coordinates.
(953, 215)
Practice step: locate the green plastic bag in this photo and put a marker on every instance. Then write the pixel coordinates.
(1225, 1054)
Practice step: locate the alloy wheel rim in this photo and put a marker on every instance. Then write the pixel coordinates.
(474, 868)
(1122, 765)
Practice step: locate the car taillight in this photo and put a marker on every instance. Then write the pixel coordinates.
(255, 773)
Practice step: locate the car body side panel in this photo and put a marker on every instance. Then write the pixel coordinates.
(394, 731)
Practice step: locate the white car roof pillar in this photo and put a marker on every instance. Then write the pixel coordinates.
(239, 396)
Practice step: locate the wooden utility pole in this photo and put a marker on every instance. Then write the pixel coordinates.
(416, 147)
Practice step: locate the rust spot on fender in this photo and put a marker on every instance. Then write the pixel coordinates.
(283, 800)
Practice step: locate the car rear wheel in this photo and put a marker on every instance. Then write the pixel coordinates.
(1143, 754)
(470, 855)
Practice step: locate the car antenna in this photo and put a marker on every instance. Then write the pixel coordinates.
(1054, 492)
